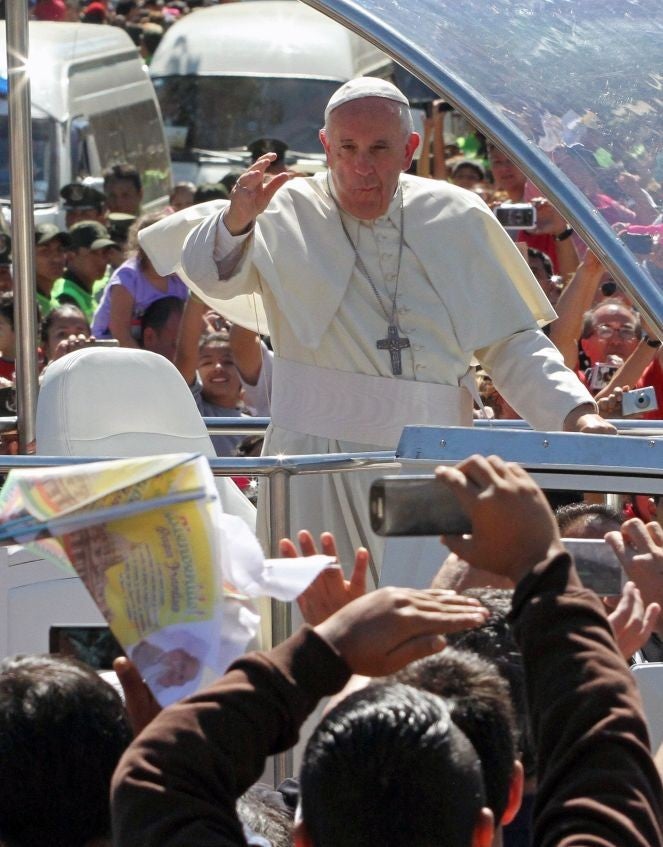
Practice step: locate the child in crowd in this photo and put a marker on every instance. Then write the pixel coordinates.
(206, 362)
(133, 287)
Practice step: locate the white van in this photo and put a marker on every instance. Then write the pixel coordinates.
(93, 105)
(232, 74)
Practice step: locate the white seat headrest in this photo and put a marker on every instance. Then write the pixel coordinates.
(117, 402)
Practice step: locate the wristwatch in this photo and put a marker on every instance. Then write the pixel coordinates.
(651, 342)
(564, 234)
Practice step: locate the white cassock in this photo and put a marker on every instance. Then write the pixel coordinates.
(464, 292)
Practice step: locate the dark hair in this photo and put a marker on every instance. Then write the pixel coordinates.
(210, 191)
(594, 518)
(64, 311)
(123, 170)
(388, 766)
(7, 307)
(62, 732)
(264, 815)
(479, 701)
(544, 258)
(157, 314)
(494, 641)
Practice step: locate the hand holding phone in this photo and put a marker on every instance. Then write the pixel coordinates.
(415, 505)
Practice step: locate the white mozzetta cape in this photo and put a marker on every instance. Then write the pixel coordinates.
(300, 251)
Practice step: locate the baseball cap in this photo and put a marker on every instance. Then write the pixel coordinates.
(90, 234)
(47, 232)
(5, 249)
(79, 196)
(364, 86)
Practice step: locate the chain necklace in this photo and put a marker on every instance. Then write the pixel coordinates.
(394, 342)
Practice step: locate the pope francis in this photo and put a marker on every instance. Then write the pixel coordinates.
(380, 289)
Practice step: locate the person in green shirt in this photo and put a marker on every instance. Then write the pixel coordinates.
(51, 246)
(87, 258)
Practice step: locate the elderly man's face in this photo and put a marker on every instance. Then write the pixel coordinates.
(613, 333)
(367, 148)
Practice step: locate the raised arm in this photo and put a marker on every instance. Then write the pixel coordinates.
(191, 327)
(574, 301)
(588, 726)
(178, 782)
(247, 353)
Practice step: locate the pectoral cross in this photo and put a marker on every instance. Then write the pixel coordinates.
(394, 343)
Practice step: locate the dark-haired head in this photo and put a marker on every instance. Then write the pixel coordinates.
(388, 766)
(62, 732)
(479, 701)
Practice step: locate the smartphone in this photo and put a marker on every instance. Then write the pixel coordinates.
(597, 564)
(415, 505)
(516, 215)
(639, 400)
(106, 342)
(639, 243)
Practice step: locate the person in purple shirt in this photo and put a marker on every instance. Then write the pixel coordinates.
(133, 287)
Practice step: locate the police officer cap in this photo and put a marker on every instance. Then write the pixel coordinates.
(5, 249)
(261, 146)
(364, 86)
(119, 224)
(78, 196)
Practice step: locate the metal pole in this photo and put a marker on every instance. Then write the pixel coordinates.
(279, 527)
(22, 223)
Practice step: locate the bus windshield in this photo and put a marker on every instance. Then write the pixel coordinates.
(226, 112)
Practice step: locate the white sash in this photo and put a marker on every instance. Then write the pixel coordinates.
(364, 409)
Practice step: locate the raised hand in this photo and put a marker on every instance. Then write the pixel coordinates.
(639, 548)
(513, 527)
(383, 631)
(251, 195)
(329, 591)
(632, 621)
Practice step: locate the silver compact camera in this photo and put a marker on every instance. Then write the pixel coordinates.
(516, 215)
(638, 401)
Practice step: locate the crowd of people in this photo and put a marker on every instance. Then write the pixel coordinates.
(495, 708)
(528, 728)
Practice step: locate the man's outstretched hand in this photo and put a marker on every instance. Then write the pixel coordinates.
(513, 527)
(251, 195)
(329, 591)
(383, 631)
(585, 419)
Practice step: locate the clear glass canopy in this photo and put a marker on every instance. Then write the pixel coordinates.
(571, 89)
